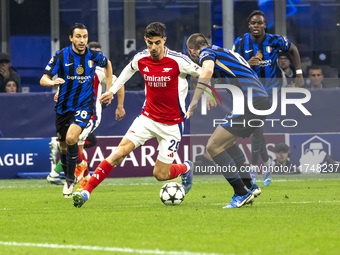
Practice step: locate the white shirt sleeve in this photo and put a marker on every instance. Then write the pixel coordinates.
(189, 67)
(126, 74)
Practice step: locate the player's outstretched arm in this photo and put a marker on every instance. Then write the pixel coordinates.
(207, 72)
(46, 81)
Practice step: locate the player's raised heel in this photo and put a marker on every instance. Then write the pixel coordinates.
(68, 190)
(256, 190)
(187, 177)
(238, 201)
(79, 199)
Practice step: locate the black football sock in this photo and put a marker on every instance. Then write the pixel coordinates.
(226, 164)
(256, 143)
(237, 155)
(72, 157)
(263, 150)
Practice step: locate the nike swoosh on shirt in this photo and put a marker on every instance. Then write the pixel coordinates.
(247, 51)
(69, 64)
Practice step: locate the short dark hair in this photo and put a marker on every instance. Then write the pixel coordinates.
(256, 12)
(94, 45)
(75, 26)
(155, 29)
(315, 67)
(282, 147)
(197, 41)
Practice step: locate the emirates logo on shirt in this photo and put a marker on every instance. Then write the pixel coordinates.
(156, 81)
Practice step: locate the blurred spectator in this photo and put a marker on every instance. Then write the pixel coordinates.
(136, 82)
(315, 76)
(282, 165)
(7, 71)
(285, 63)
(11, 86)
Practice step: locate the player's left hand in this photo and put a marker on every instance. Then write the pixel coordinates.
(120, 113)
(299, 81)
(106, 98)
(210, 103)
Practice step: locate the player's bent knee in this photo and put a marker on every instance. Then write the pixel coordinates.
(211, 148)
(71, 140)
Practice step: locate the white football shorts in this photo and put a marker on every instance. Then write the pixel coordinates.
(168, 136)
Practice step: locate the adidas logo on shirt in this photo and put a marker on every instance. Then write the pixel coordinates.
(146, 69)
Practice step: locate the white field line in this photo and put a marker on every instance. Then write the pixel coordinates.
(99, 248)
(217, 204)
(221, 180)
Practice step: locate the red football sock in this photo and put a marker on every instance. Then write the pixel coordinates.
(101, 172)
(80, 157)
(177, 170)
(86, 172)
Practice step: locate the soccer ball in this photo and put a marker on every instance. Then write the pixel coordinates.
(172, 193)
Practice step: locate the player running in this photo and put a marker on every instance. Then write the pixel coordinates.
(230, 68)
(162, 115)
(75, 66)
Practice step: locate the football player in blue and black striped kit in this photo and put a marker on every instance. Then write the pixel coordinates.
(229, 67)
(261, 50)
(75, 67)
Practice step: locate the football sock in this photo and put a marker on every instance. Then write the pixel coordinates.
(91, 141)
(256, 143)
(58, 168)
(177, 170)
(54, 174)
(71, 159)
(101, 172)
(237, 155)
(86, 172)
(225, 162)
(63, 162)
(80, 156)
(263, 151)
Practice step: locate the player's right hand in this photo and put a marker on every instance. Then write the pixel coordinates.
(189, 113)
(106, 98)
(192, 107)
(58, 81)
(210, 103)
(254, 61)
(56, 96)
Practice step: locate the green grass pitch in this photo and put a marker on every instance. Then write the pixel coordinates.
(297, 214)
